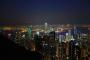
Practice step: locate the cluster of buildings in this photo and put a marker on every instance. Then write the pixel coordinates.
(54, 42)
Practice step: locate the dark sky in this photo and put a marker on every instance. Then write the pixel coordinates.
(40, 11)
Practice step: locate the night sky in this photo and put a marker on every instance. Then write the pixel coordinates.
(19, 12)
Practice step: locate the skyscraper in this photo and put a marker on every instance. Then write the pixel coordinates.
(46, 27)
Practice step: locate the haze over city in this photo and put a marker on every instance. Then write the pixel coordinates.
(19, 12)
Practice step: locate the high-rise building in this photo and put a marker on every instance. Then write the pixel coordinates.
(46, 27)
(38, 42)
(29, 30)
(52, 45)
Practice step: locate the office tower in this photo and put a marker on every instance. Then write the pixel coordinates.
(72, 50)
(62, 36)
(38, 42)
(52, 38)
(45, 44)
(46, 27)
(68, 36)
(62, 45)
(52, 45)
(29, 30)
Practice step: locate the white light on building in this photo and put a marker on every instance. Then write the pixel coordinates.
(72, 38)
(61, 38)
(46, 26)
(67, 34)
(9, 35)
(37, 32)
(23, 36)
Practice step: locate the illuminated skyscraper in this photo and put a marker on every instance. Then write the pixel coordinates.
(46, 26)
(29, 30)
(69, 36)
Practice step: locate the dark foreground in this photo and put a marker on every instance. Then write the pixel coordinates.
(9, 50)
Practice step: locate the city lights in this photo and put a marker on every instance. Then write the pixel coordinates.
(52, 41)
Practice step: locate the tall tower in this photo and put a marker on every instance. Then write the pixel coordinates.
(46, 27)
(29, 30)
